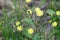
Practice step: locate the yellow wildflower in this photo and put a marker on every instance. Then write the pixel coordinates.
(28, 1)
(37, 9)
(30, 31)
(29, 11)
(17, 23)
(38, 12)
(19, 28)
(58, 13)
(54, 24)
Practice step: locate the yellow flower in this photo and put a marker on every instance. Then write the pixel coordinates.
(28, 1)
(37, 9)
(39, 12)
(17, 23)
(29, 11)
(58, 13)
(30, 31)
(54, 24)
(19, 28)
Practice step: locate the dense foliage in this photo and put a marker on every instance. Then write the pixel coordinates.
(31, 20)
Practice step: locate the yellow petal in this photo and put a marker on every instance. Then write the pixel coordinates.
(30, 31)
(17, 23)
(37, 9)
(58, 13)
(54, 24)
(29, 11)
(19, 28)
(28, 1)
(39, 13)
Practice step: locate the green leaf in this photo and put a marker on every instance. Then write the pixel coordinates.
(49, 11)
(36, 37)
(27, 35)
(29, 21)
(0, 26)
